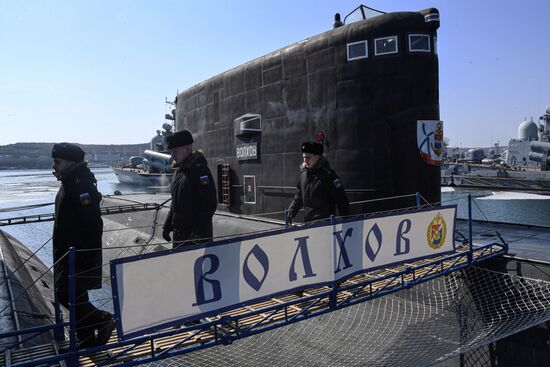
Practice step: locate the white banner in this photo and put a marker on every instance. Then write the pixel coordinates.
(158, 289)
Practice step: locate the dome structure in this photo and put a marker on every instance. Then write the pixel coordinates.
(528, 130)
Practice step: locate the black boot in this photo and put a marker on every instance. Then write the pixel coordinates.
(105, 329)
(86, 337)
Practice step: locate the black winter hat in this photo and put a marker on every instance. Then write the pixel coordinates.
(179, 139)
(312, 147)
(68, 151)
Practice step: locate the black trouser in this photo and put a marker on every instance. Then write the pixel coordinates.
(184, 239)
(88, 317)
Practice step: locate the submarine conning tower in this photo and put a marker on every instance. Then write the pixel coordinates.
(368, 90)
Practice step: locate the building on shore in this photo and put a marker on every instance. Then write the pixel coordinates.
(37, 155)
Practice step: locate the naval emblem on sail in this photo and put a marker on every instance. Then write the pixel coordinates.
(429, 136)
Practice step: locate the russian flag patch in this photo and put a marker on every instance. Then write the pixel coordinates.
(85, 199)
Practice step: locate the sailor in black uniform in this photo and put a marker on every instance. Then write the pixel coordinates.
(78, 224)
(194, 198)
(319, 189)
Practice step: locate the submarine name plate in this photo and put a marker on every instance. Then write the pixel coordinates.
(247, 151)
(165, 288)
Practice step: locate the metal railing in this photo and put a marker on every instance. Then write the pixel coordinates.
(229, 328)
(48, 217)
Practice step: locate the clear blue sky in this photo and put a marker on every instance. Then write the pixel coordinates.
(99, 71)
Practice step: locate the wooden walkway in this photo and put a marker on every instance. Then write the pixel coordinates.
(275, 310)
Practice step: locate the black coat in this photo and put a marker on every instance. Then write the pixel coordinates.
(194, 200)
(319, 191)
(78, 224)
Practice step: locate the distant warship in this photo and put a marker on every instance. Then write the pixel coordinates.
(153, 168)
(524, 165)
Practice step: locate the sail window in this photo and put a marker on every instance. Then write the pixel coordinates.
(358, 50)
(419, 43)
(385, 45)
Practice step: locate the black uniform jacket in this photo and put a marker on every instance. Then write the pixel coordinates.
(78, 224)
(194, 200)
(319, 191)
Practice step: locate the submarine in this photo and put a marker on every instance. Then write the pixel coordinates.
(368, 90)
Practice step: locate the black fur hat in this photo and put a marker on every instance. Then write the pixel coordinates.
(179, 139)
(68, 151)
(312, 147)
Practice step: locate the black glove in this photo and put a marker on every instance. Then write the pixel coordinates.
(166, 234)
(289, 217)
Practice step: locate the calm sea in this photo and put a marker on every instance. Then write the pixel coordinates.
(20, 188)
(30, 187)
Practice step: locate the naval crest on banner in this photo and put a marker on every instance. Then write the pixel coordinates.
(437, 231)
(429, 137)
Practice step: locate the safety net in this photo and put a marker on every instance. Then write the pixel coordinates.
(424, 325)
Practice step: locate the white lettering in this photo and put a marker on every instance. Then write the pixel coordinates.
(231, 273)
(247, 151)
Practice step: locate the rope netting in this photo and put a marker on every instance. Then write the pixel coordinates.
(420, 326)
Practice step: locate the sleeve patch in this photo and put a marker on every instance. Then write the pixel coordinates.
(337, 183)
(204, 180)
(85, 199)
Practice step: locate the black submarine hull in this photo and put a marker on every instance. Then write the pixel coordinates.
(365, 111)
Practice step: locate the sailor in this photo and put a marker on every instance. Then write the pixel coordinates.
(78, 224)
(194, 198)
(319, 189)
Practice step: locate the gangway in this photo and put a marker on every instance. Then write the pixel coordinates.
(230, 325)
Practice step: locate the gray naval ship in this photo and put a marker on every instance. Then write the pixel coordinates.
(524, 165)
(154, 167)
(368, 91)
